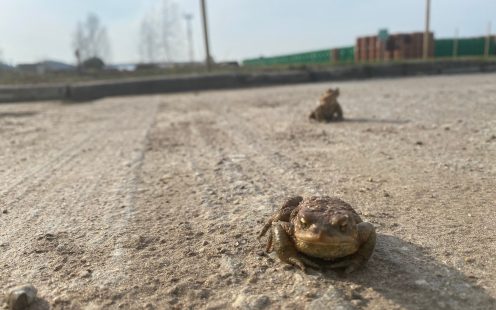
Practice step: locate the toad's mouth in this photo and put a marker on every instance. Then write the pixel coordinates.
(325, 240)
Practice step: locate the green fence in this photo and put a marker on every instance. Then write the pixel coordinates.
(316, 57)
(466, 47)
(347, 54)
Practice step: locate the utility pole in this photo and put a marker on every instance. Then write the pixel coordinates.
(455, 44)
(188, 18)
(488, 40)
(426, 33)
(77, 53)
(205, 35)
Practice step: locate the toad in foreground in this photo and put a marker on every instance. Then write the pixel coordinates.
(325, 228)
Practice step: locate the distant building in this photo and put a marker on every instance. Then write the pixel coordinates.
(122, 67)
(44, 67)
(27, 68)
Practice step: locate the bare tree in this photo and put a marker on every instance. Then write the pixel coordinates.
(91, 39)
(161, 33)
(149, 48)
(170, 31)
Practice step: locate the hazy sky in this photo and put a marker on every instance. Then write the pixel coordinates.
(32, 30)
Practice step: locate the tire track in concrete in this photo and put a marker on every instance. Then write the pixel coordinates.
(32, 177)
(44, 183)
(92, 175)
(240, 163)
(120, 256)
(38, 174)
(281, 169)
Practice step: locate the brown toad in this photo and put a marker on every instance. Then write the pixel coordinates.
(318, 230)
(329, 109)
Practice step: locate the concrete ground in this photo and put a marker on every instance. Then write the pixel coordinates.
(155, 202)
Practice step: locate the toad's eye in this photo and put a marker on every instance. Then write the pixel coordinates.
(343, 226)
(303, 222)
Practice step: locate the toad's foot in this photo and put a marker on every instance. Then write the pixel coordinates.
(286, 250)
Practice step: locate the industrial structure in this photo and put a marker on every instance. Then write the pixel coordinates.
(384, 47)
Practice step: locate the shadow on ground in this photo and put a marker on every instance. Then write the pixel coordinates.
(402, 273)
(375, 120)
(40, 304)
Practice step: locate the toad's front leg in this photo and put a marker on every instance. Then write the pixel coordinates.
(285, 249)
(283, 214)
(367, 237)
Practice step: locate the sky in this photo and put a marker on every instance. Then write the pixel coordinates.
(35, 30)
